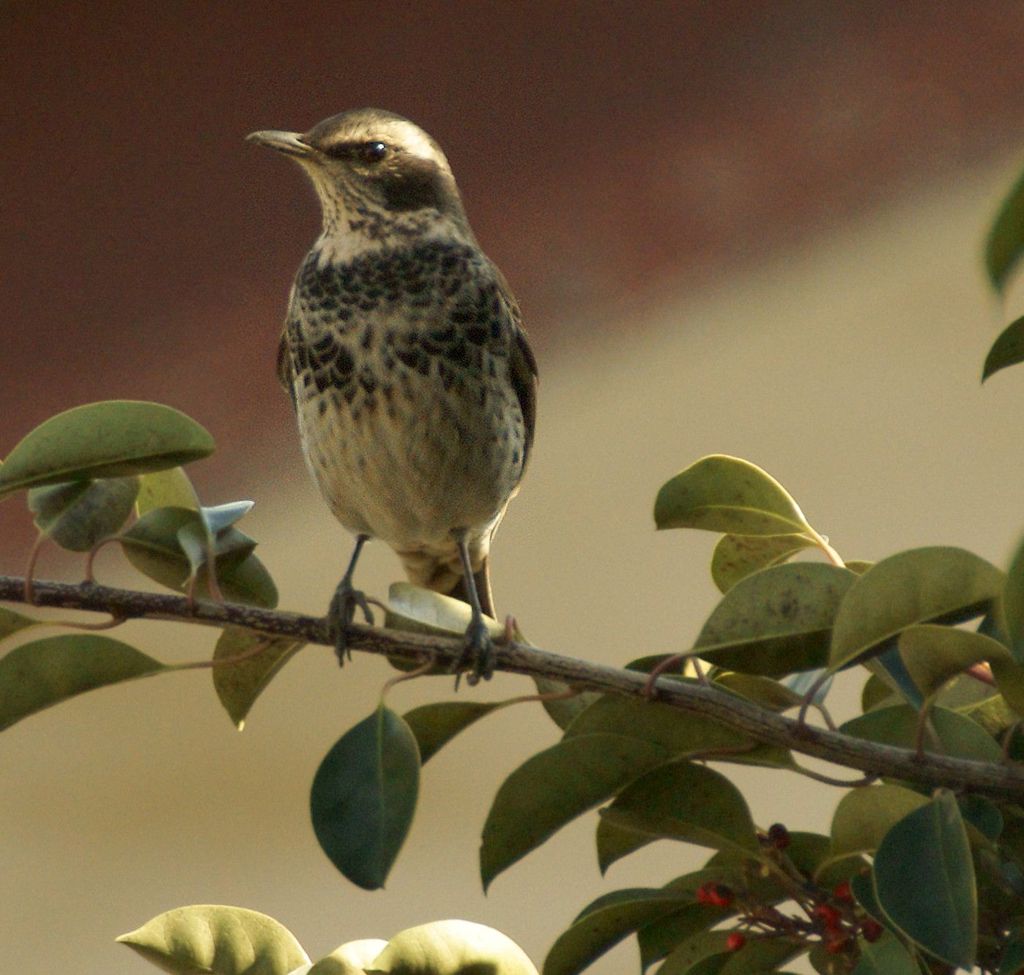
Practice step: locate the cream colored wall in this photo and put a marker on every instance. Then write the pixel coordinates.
(849, 370)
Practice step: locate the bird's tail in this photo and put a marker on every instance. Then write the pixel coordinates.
(444, 575)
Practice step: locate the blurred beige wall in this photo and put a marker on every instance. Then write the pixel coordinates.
(848, 368)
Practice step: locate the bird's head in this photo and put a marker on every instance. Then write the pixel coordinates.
(375, 173)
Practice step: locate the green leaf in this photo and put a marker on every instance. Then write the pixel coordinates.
(1013, 958)
(887, 956)
(12, 622)
(951, 733)
(738, 556)
(78, 514)
(1007, 350)
(1013, 604)
(1005, 241)
(554, 787)
(351, 958)
(660, 937)
(923, 585)
(45, 672)
(364, 796)
(687, 802)
(864, 816)
(434, 725)
(934, 654)
(165, 489)
(757, 957)
(154, 545)
(675, 731)
(761, 690)
(726, 494)
(615, 842)
(776, 621)
(217, 939)
(563, 711)
(452, 948)
(246, 582)
(598, 930)
(239, 684)
(924, 881)
(116, 438)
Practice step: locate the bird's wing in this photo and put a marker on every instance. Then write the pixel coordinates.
(285, 373)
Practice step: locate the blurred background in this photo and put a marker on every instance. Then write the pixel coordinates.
(735, 227)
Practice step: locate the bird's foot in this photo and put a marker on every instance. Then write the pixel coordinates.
(342, 611)
(477, 654)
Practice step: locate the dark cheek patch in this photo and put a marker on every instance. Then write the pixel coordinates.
(416, 185)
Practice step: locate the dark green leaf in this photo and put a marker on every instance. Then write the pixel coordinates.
(116, 438)
(675, 731)
(1013, 604)
(727, 494)
(434, 725)
(776, 621)
(754, 958)
(246, 582)
(615, 842)
(864, 816)
(78, 514)
(554, 787)
(364, 796)
(950, 733)
(218, 940)
(239, 684)
(658, 938)
(738, 556)
(887, 956)
(1007, 350)
(982, 814)
(1005, 241)
(45, 672)
(687, 802)
(761, 690)
(598, 930)
(1013, 958)
(937, 583)
(924, 881)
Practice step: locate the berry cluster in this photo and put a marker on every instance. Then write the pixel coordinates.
(831, 918)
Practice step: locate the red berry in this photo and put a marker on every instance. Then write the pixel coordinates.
(704, 894)
(735, 941)
(778, 836)
(871, 929)
(842, 892)
(829, 915)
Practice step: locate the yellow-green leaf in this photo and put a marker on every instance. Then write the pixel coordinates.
(727, 494)
(239, 684)
(352, 958)
(738, 556)
(78, 514)
(935, 654)
(215, 939)
(451, 947)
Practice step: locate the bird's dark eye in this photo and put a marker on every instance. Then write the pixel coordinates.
(372, 152)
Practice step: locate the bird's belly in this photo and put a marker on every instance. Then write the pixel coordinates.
(410, 462)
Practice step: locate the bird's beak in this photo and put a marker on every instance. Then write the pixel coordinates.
(290, 143)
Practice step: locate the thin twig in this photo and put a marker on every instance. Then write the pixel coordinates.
(758, 723)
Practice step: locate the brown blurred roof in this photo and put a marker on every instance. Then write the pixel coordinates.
(605, 150)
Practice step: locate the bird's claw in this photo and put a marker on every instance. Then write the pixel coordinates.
(477, 654)
(342, 611)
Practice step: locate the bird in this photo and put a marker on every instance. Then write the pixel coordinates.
(407, 364)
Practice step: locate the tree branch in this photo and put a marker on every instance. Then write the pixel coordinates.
(995, 779)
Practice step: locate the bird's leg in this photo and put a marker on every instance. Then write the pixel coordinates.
(344, 603)
(478, 648)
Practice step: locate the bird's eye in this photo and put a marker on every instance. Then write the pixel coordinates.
(372, 152)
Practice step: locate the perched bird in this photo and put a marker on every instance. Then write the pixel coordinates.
(406, 361)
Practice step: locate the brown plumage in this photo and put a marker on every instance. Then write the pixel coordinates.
(406, 360)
